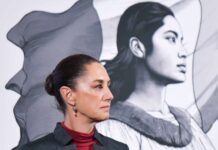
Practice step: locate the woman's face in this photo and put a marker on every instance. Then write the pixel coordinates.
(168, 57)
(92, 93)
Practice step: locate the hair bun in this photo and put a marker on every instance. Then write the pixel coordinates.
(49, 85)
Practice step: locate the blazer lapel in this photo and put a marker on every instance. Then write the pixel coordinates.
(67, 147)
(104, 145)
(100, 147)
(63, 138)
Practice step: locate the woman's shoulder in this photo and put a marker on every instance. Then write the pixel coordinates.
(43, 143)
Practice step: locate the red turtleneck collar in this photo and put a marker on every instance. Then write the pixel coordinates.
(83, 141)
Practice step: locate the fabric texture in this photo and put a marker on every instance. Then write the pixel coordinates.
(160, 130)
(137, 140)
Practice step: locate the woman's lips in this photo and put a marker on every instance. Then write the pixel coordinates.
(107, 107)
(182, 68)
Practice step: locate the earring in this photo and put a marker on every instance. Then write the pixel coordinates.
(75, 110)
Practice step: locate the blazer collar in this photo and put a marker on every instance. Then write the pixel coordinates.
(61, 135)
(64, 138)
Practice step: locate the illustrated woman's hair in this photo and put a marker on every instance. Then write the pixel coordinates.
(65, 74)
(140, 20)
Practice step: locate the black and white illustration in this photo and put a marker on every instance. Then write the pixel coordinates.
(151, 55)
(160, 55)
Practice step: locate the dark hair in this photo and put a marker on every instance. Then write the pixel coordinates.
(140, 20)
(65, 74)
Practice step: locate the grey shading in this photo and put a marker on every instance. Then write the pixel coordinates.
(45, 39)
(205, 70)
(157, 129)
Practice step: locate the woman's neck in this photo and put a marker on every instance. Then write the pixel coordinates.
(78, 123)
(149, 93)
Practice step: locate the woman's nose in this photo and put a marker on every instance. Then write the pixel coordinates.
(108, 95)
(182, 53)
(16, 82)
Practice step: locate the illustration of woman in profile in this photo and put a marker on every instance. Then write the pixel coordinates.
(151, 55)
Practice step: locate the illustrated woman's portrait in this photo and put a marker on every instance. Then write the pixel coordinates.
(151, 55)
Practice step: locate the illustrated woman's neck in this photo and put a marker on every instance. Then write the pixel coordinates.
(78, 123)
(149, 93)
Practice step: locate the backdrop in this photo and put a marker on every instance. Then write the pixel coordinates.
(199, 29)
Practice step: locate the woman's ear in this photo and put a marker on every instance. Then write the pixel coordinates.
(67, 95)
(137, 47)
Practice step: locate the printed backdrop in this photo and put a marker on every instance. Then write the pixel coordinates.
(62, 25)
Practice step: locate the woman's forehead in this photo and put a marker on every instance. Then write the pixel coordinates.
(95, 72)
(172, 26)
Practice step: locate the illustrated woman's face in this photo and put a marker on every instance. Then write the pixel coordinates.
(92, 93)
(168, 57)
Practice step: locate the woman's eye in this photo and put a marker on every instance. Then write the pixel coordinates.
(171, 39)
(99, 86)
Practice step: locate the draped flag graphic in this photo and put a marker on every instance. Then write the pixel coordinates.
(205, 70)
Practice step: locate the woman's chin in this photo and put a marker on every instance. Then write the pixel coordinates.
(176, 79)
(102, 118)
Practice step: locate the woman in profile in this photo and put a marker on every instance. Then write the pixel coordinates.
(150, 56)
(81, 86)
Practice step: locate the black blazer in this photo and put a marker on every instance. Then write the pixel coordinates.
(61, 140)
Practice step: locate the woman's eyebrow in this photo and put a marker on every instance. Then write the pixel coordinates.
(102, 81)
(173, 32)
(98, 81)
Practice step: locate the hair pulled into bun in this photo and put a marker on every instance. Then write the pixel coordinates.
(49, 85)
(65, 74)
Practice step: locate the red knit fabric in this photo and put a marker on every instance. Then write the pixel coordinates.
(83, 141)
